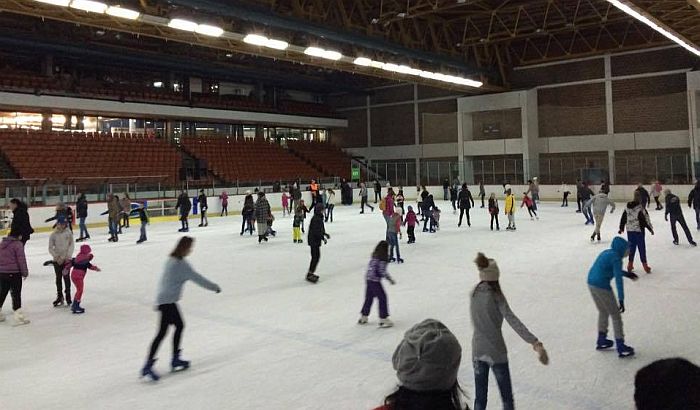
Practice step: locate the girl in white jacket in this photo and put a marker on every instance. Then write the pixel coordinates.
(61, 246)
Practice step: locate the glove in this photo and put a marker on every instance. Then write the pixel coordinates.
(392, 281)
(622, 307)
(541, 352)
(218, 289)
(325, 241)
(630, 275)
(666, 218)
(652, 231)
(619, 232)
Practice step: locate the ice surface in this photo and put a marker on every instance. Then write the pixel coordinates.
(272, 341)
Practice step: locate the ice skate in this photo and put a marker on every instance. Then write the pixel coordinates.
(675, 243)
(178, 364)
(630, 267)
(386, 323)
(362, 320)
(593, 238)
(59, 301)
(603, 342)
(623, 350)
(647, 268)
(76, 309)
(692, 243)
(310, 277)
(399, 260)
(598, 236)
(148, 371)
(20, 319)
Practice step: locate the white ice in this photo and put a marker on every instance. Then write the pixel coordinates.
(272, 341)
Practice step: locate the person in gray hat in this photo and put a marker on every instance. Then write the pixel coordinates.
(426, 363)
(488, 309)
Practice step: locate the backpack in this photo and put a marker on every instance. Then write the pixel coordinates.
(382, 204)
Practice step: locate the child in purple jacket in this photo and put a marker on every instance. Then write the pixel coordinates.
(375, 272)
(13, 269)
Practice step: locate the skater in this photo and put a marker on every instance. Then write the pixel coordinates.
(177, 271)
(143, 217)
(531, 207)
(466, 202)
(445, 188)
(330, 204)
(579, 191)
(656, 190)
(247, 213)
(435, 219)
(126, 211)
(599, 204)
(454, 196)
(184, 205)
(668, 384)
(314, 188)
(410, 223)
(510, 209)
(386, 204)
(400, 199)
(113, 211)
(586, 195)
(20, 227)
(376, 271)
(482, 192)
(565, 194)
(428, 207)
(488, 309)
(65, 212)
(61, 247)
(423, 199)
(80, 264)
(493, 210)
(377, 190)
(296, 193)
(605, 187)
(363, 198)
(262, 215)
(301, 207)
(643, 195)
(694, 202)
(224, 203)
(317, 234)
(81, 210)
(636, 220)
(297, 223)
(203, 207)
(608, 266)
(285, 204)
(533, 190)
(673, 208)
(427, 363)
(393, 233)
(13, 270)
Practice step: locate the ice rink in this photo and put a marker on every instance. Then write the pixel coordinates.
(271, 340)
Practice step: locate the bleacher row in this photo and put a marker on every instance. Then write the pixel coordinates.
(67, 156)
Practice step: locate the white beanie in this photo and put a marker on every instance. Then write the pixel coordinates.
(490, 273)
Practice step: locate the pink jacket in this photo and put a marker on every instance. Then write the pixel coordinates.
(411, 219)
(224, 198)
(285, 199)
(12, 259)
(81, 262)
(527, 202)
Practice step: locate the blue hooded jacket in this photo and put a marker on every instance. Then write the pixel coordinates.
(609, 266)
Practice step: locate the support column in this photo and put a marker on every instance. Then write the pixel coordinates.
(369, 129)
(609, 118)
(416, 128)
(530, 132)
(693, 90)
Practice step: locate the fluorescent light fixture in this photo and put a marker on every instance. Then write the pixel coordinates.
(376, 64)
(277, 44)
(63, 3)
(363, 61)
(332, 55)
(209, 30)
(89, 6)
(117, 11)
(158, 84)
(255, 40)
(319, 52)
(391, 67)
(639, 16)
(182, 24)
(427, 74)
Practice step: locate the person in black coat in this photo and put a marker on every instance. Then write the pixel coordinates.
(454, 195)
(423, 198)
(445, 188)
(317, 234)
(428, 206)
(377, 190)
(466, 202)
(202, 199)
(81, 211)
(673, 208)
(184, 206)
(21, 226)
(643, 194)
(694, 202)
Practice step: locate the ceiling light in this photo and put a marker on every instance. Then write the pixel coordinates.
(116, 11)
(158, 84)
(181, 24)
(255, 40)
(63, 3)
(363, 61)
(314, 51)
(332, 55)
(639, 16)
(89, 6)
(277, 44)
(319, 52)
(391, 67)
(209, 30)
(376, 64)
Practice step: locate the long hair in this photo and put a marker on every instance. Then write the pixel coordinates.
(405, 399)
(381, 251)
(183, 245)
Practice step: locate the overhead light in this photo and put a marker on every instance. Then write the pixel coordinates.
(182, 24)
(277, 44)
(401, 15)
(89, 6)
(319, 52)
(639, 16)
(363, 61)
(158, 84)
(332, 55)
(376, 64)
(209, 30)
(117, 11)
(262, 41)
(391, 67)
(63, 3)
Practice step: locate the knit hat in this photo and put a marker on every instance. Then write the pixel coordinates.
(428, 357)
(85, 249)
(489, 273)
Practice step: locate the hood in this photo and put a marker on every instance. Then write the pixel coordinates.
(84, 254)
(620, 246)
(7, 241)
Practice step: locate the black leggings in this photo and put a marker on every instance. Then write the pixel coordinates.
(462, 212)
(169, 315)
(315, 257)
(531, 211)
(12, 283)
(494, 217)
(61, 280)
(224, 209)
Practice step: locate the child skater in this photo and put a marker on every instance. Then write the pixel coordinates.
(636, 220)
(285, 204)
(488, 309)
(224, 203)
(317, 234)
(400, 199)
(493, 210)
(297, 223)
(301, 211)
(176, 273)
(330, 204)
(143, 217)
(393, 230)
(510, 209)
(80, 264)
(607, 266)
(376, 271)
(410, 222)
(531, 207)
(435, 220)
(13, 270)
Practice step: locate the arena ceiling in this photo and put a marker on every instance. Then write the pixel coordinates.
(478, 39)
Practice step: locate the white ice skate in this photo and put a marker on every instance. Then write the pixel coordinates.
(363, 320)
(386, 323)
(20, 319)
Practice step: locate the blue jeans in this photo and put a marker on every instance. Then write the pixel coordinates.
(143, 232)
(83, 229)
(481, 378)
(113, 226)
(637, 241)
(588, 213)
(393, 239)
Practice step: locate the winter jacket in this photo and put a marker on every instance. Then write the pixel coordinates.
(12, 258)
(248, 205)
(20, 223)
(82, 262)
(607, 266)
(482, 191)
(411, 219)
(81, 207)
(176, 273)
(644, 194)
(389, 208)
(61, 245)
(262, 210)
(527, 201)
(317, 231)
(143, 215)
(635, 218)
(656, 190)
(488, 309)
(424, 195)
(363, 191)
(605, 188)
(454, 194)
(376, 270)
(114, 208)
(285, 199)
(599, 203)
(400, 199)
(183, 204)
(694, 197)
(330, 198)
(202, 199)
(466, 200)
(493, 206)
(510, 204)
(533, 188)
(62, 213)
(445, 184)
(393, 224)
(377, 186)
(673, 206)
(125, 204)
(428, 203)
(586, 193)
(224, 198)
(296, 192)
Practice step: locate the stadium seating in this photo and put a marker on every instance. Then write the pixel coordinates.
(232, 160)
(328, 158)
(67, 156)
